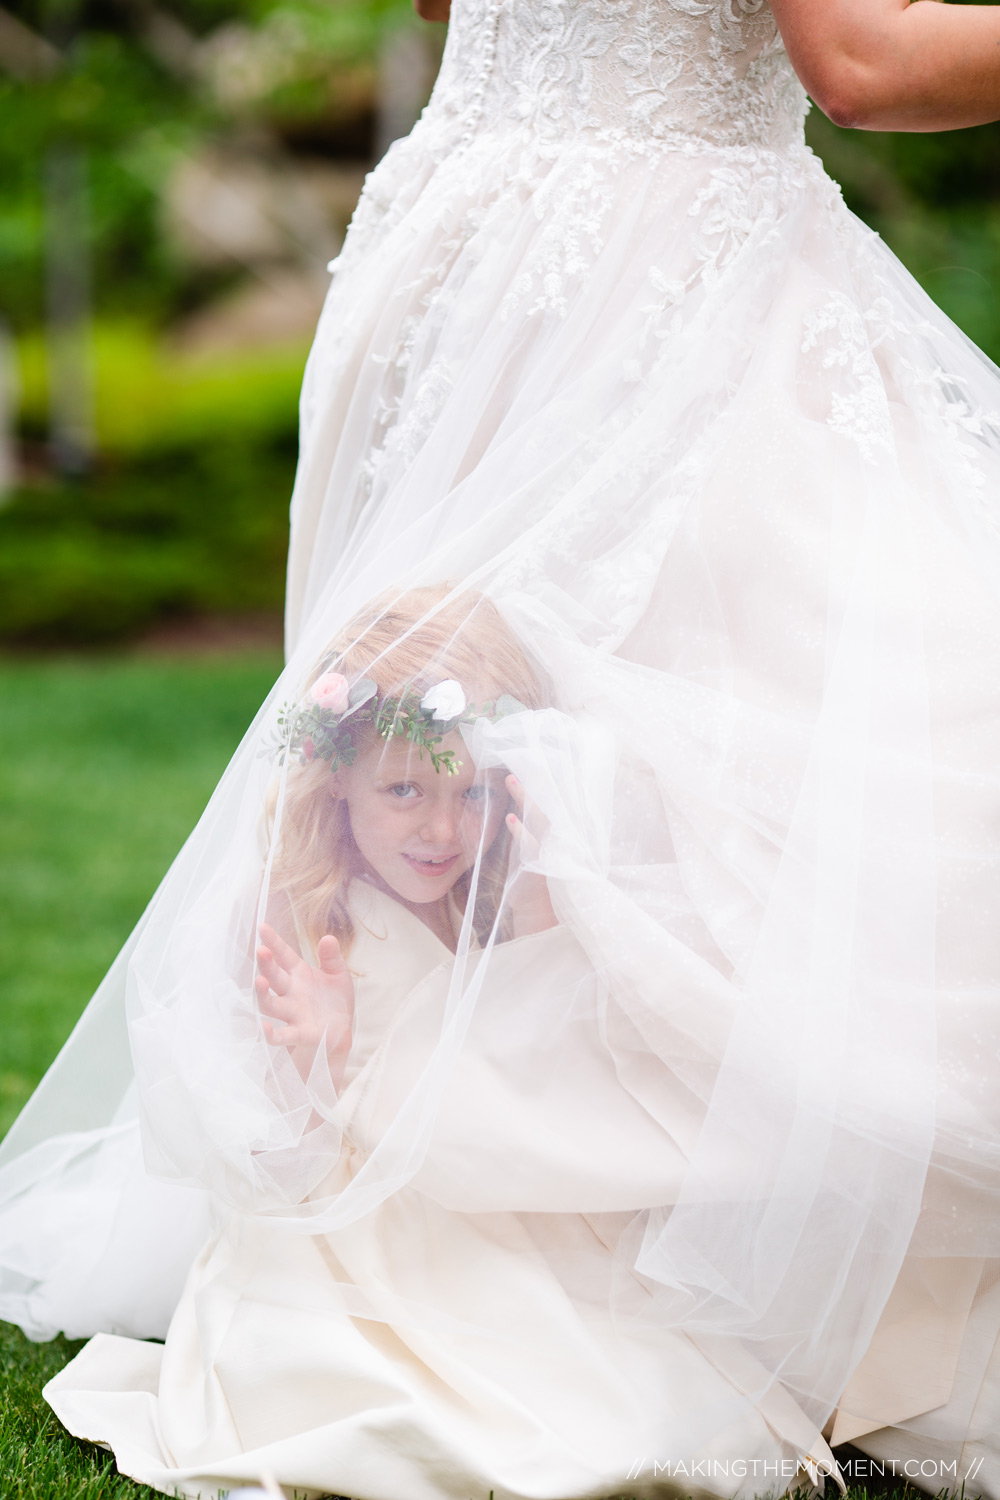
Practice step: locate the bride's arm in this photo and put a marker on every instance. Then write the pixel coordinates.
(892, 65)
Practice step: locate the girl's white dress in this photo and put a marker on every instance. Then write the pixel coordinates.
(669, 1195)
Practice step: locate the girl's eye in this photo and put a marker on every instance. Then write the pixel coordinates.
(403, 789)
(477, 793)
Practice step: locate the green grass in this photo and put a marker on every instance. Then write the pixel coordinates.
(104, 768)
(38, 1459)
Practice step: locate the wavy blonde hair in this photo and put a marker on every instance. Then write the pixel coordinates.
(404, 643)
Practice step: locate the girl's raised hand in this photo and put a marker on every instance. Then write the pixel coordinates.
(315, 1006)
(528, 893)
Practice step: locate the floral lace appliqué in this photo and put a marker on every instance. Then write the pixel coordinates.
(847, 339)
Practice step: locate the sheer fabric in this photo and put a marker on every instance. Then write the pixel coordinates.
(634, 469)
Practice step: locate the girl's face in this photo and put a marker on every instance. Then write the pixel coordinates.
(421, 829)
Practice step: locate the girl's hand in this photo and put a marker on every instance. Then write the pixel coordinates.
(528, 893)
(311, 1004)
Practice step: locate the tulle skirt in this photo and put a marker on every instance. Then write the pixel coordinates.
(667, 467)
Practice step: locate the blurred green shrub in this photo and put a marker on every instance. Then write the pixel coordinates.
(139, 86)
(151, 398)
(190, 529)
(187, 512)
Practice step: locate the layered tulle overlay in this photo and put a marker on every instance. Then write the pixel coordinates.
(638, 748)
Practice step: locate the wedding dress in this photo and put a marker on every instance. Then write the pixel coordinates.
(673, 1151)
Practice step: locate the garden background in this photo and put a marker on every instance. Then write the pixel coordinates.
(175, 176)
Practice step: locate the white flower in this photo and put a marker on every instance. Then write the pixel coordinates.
(446, 701)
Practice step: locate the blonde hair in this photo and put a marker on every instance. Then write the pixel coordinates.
(404, 643)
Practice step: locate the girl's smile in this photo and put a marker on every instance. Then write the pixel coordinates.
(432, 867)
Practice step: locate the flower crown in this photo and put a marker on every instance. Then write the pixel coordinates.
(326, 726)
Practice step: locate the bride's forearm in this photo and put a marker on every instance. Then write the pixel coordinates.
(892, 65)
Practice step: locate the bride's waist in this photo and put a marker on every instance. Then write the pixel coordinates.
(495, 131)
(555, 123)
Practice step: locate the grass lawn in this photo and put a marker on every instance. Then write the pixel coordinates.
(104, 768)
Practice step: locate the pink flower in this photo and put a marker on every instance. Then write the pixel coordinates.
(308, 749)
(331, 691)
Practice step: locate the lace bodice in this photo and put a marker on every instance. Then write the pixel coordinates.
(633, 72)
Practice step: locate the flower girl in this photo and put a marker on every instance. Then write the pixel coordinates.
(435, 1143)
(403, 818)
